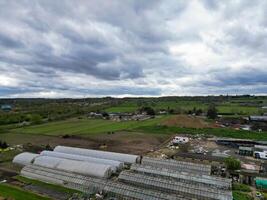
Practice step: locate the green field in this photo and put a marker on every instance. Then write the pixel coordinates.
(15, 193)
(184, 106)
(152, 126)
(133, 106)
(46, 185)
(86, 126)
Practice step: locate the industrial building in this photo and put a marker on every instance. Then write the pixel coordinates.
(124, 176)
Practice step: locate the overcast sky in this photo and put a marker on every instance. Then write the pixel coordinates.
(75, 48)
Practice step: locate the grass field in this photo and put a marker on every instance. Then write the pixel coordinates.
(133, 106)
(228, 107)
(46, 185)
(15, 193)
(86, 126)
(89, 127)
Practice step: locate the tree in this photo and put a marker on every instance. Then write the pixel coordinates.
(3, 145)
(212, 112)
(199, 112)
(148, 110)
(36, 119)
(232, 163)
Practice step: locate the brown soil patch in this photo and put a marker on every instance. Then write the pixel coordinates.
(187, 121)
(124, 142)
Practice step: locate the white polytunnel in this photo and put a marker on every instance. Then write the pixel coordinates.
(25, 158)
(79, 167)
(115, 165)
(126, 158)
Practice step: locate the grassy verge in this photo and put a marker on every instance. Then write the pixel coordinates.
(219, 132)
(46, 185)
(16, 193)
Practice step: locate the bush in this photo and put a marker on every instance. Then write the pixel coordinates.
(212, 112)
(3, 145)
(36, 118)
(241, 187)
(148, 110)
(232, 163)
(241, 196)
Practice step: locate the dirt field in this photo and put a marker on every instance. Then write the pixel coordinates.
(186, 121)
(124, 142)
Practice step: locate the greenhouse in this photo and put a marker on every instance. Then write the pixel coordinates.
(79, 167)
(211, 181)
(67, 179)
(25, 158)
(116, 165)
(89, 171)
(173, 186)
(125, 158)
(91, 185)
(177, 165)
(123, 191)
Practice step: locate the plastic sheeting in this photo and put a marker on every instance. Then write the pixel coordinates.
(116, 165)
(79, 167)
(25, 158)
(126, 158)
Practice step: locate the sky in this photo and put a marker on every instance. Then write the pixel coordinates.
(95, 48)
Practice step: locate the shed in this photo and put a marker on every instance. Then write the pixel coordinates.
(258, 118)
(245, 151)
(261, 183)
(115, 165)
(79, 167)
(126, 158)
(25, 158)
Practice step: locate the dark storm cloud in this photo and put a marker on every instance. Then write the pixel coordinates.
(8, 42)
(249, 76)
(88, 49)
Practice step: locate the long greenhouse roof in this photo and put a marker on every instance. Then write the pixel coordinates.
(173, 186)
(208, 180)
(91, 185)
(177, 165)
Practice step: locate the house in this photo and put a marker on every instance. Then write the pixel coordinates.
(95, 115)
(163, 112)
(6, 107)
